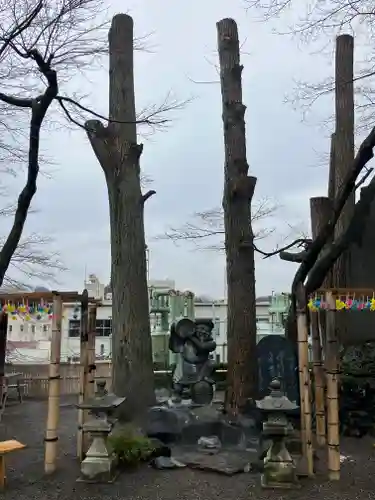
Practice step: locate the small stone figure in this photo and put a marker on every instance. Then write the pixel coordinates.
(193, 342)
(279, 467)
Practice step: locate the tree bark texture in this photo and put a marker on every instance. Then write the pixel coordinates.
(343, 154)
(343, 145)
(331, 173)
(238, 192)
(119, 154)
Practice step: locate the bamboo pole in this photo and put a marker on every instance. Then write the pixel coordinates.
(319, 381)
(304, 379)
(3, 349)
(90, 379)
(320, 213)
(332, 372)
(51, 436)
(84, 334)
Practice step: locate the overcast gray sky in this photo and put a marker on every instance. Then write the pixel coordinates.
(186, 162)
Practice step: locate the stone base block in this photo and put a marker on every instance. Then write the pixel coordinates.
(98, 470)
(277, 486)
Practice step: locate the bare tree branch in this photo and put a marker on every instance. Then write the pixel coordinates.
(318, 23)
(33, 259)
(154, 116)
(71, 36)
(208, 226)
(32, 34)
(42, 45)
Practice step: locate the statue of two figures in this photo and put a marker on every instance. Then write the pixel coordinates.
(193, 343)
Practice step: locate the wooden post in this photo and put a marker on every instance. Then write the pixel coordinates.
(90, 378)
(3, 350)
(304, 379)
(332, 368)
(321, 211)
(51, 436)
(84, 362)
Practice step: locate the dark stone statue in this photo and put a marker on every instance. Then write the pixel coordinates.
(192, 341)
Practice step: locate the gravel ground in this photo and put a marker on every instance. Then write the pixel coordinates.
(25, 471)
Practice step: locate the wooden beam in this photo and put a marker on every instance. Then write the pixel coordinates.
(358, 292)
(47, 296)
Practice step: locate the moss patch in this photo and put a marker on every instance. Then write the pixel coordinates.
(130, 447)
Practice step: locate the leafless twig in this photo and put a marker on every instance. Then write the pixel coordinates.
(208, 226)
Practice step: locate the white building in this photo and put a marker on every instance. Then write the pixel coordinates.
(29, 341)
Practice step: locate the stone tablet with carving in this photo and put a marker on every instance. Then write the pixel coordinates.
(277, 358)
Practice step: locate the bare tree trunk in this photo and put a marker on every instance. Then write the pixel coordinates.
(238, 193)
(119, 153)
(332, 173)
(343, 146)
(343, 154)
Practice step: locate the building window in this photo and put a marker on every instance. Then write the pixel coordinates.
(32, 328)
(45, 328)
(74, 328)
(101, 349)
(103, 327)
(10, 328)
(21, 328)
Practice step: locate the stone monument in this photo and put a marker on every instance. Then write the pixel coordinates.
(279, 467)
(99, 464)
(277, 358)
(193, 343)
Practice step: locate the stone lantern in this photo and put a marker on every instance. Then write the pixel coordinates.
(100, 462)
(279, 467)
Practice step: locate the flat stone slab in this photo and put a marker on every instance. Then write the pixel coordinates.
(225, 462)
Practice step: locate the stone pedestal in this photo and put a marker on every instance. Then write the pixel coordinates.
(100, 463)
(279, 467)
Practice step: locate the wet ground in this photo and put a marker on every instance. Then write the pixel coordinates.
(26, 423)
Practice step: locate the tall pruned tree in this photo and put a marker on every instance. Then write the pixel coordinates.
(239, 238)
(118, 152)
